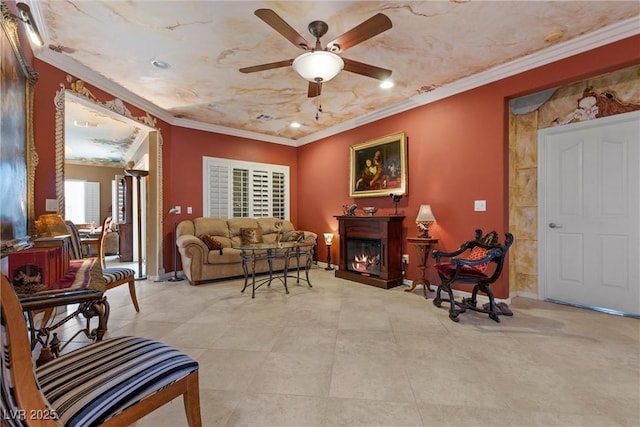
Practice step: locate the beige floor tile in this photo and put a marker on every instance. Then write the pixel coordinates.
(278, 410)
(346, 354)
(374, 377)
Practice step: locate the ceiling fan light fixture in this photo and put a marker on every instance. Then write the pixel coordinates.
(318, 66)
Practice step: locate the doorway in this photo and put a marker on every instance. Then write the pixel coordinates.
(589, 214)
(144, 148)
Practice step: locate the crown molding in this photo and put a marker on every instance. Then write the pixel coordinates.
(598, 38)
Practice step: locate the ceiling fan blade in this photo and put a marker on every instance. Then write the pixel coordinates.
(269, 66)
(280, 25)
(369, 28)
(314, 89)
(366, 69)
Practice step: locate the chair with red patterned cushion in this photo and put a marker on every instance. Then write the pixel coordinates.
(469, 264)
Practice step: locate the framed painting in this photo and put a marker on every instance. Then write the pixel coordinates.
(18, 158)
(379, 167)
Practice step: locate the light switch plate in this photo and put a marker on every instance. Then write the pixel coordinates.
(480, 205)
(51, 205)
(189, 210)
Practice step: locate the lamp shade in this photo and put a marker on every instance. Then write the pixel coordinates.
(318, 66)
(425, 214)
(328, 238)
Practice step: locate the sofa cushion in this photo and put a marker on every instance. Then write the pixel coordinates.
(249, 236)
(293, 236)
(214, 226)
(211, 242)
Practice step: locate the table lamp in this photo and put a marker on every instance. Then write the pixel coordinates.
(424, 220)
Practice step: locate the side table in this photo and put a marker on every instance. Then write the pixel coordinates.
(423, 247)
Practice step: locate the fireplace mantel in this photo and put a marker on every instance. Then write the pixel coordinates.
(386, 229)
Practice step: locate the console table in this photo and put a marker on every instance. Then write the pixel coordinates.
(284, 250)
(423, 247)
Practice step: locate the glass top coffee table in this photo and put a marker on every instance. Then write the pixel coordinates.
(286, 251)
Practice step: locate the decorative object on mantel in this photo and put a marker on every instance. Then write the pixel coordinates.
(370, 210)
(349, 209)
(328, 239)
(396, 199)
(49, 225)
(424, 219)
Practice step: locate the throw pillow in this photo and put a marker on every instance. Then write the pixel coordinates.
(476, 254)
(293, 236)
(211, 242)
(250, 236)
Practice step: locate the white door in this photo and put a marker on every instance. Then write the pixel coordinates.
(589, 213)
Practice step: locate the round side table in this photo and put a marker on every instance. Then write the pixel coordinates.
(423, 247)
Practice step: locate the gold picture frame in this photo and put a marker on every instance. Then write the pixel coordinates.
(379, 167)
(17, 150)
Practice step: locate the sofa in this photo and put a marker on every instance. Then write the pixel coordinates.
(207, 246)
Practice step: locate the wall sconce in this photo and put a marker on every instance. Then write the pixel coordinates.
(27, 17)
(424, 220)
(328, 238)
(175, 277)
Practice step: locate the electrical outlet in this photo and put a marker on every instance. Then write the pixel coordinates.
(189, 210)
(405, 258)
(178, 209)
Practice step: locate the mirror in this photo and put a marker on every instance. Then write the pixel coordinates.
(18, 158)
(75, 103)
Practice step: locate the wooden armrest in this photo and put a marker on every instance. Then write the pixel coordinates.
(51, 299)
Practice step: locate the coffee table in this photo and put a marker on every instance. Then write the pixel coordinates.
(287, 251)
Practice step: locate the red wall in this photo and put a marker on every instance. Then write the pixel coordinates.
(457, 153)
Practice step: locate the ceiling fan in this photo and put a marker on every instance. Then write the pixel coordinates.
(319, 65)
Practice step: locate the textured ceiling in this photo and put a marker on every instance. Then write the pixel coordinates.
(431, 46)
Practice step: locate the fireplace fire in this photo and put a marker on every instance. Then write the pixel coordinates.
(365, 256)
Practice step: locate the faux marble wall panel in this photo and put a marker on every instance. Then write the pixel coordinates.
(523, 166)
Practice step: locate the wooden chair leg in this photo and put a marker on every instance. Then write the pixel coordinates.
(191, 400)
(132, 292)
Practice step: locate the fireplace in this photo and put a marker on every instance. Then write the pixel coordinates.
(363, 256)
(371, 250)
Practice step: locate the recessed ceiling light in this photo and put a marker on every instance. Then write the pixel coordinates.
(387, 84)
(160, 64)
(554, 36)
(295, 125)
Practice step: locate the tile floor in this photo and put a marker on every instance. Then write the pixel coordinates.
(347, 354)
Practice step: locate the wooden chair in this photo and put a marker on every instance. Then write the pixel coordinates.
(469, 264)
(113, 382)
(116, 276)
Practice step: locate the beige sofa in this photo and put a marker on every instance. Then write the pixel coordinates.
(201, 264)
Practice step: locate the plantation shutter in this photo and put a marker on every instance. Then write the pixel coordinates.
(244, 189)
(92, 202)
(240, 193)
(260, 194)
(218, 193)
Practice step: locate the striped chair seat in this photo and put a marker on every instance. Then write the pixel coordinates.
(116, 274)
(90, 385)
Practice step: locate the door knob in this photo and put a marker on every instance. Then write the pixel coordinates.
(554, 225)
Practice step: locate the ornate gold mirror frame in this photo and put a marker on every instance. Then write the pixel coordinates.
(18, 80)
(154, 184)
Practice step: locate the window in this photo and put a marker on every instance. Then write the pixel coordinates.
(82, 202)
(234, 189)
